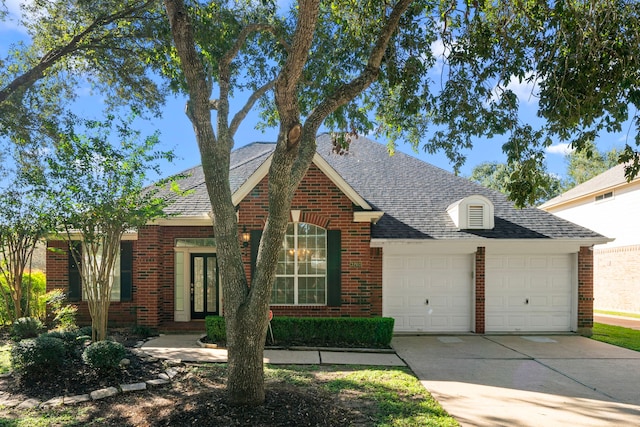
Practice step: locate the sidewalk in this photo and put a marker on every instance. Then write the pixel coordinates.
(186, 348)
(625, 322)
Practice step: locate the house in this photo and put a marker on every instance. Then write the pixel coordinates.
(610, 205)
(370, 235)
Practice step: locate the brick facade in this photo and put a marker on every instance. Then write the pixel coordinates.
(617, 278)
(480, 290)
(321, 203)
(585, 291)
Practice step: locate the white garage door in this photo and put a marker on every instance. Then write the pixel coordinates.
(428, 293)
(528, 293)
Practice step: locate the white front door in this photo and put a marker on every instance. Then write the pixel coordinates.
(427, 292)
(528, 293)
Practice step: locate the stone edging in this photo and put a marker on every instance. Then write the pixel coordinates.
(7, 400)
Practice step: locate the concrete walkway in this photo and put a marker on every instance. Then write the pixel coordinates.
(186, 348)
(625, 322)
(527, 380)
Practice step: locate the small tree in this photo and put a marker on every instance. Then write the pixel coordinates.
(98, 191)
(22, 224)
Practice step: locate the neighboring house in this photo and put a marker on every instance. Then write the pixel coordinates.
(370, 235)
(610, 205)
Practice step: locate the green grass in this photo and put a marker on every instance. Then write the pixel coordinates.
(618, 313)
(399, 396)
(5, 358)
(391, 397)
(617, 335)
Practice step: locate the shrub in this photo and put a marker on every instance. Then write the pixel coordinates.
(322, 331)
(38, 356)
(26, 327)
(215, 328)
(62, 314)
(104, 355)
(143, 331)
(69, 339)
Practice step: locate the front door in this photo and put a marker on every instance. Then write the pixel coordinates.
(204, 285)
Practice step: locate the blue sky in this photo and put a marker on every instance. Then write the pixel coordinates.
(176, 131)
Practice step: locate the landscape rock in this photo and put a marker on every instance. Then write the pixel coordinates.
(103, 392)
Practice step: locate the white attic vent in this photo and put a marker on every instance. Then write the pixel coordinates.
(472, 213)
(475, 216)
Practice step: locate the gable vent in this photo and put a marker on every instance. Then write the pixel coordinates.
(472, 212)
(476, 216)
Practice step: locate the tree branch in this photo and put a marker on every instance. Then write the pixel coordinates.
(240, 115)
(348, 91)
(50, 58)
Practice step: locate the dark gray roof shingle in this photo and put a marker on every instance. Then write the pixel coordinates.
(414, 195)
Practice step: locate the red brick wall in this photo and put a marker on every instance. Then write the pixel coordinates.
(323, 204)
(480, 290)
(152, 301)
(585, 291)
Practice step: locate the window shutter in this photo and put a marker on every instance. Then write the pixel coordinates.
(334, 268)
(75, 281)
(256, 235)
(126, 270)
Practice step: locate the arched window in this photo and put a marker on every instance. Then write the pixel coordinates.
(301, 274)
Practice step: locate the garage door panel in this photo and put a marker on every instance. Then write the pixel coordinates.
(436, 292)
(534, 297)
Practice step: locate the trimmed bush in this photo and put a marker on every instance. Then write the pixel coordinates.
(70, 339)
(104, 355)
(26, 327)
(320, 331)
(216, 328)
(38, 356)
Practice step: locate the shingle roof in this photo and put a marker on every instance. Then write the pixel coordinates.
(413, 195)
(608, 179)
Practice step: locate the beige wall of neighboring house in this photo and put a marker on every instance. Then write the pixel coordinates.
(609, 205)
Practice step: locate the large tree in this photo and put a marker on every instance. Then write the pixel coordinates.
(496, 176)
(316, 61)
(587, 163)
(72, 44)
(366, 66)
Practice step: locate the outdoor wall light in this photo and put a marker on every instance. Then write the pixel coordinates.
(246, 236)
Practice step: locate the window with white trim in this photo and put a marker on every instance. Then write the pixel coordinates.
(301, 273)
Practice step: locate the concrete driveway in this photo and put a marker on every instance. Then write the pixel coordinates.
(560, 380)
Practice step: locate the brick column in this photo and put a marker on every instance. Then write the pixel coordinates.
(147, 275)
(585, 291)
(480, 286)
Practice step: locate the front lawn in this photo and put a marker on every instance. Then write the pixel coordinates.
(296, 395)
(617, 335)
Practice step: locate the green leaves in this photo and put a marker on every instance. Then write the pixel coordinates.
(98, 182)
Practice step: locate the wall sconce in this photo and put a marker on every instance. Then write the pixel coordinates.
(246, 236)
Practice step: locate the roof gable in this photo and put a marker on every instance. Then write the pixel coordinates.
(607, 180)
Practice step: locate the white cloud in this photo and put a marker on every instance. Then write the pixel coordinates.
(562, 149)
(12, 22)
(525, 90)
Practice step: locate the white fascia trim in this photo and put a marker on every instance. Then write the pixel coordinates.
(252, 181)
(492, 245)
(195, 220)
(77, 236)
(367, 216)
